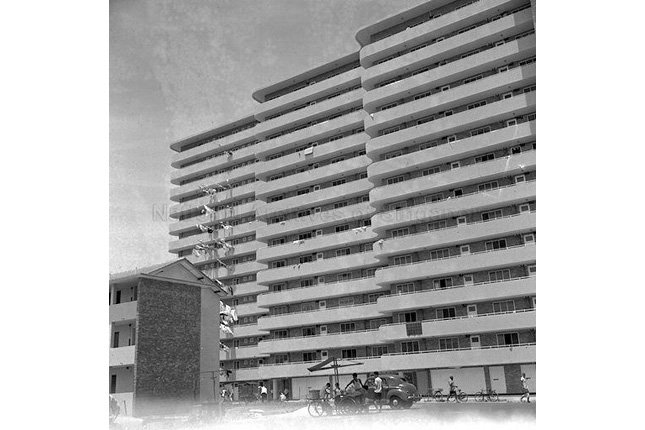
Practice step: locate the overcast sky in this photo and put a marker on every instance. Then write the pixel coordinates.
(180, 67)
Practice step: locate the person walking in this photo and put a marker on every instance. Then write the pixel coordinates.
(453, 390)
(355, 389)
(264, 392)
(378, 390)
(525, 388)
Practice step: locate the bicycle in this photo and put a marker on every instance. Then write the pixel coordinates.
(486, 396)
(438, 395)
(461, 396)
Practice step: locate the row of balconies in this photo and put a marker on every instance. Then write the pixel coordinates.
(223, 215)
(244, 229)
(460, 96)
(458, 44)
(191, 188)
(222, 197)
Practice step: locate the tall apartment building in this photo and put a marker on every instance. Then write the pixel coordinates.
(380, 207)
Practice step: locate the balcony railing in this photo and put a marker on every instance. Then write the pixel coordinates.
(320, 309)
(426, 351)
(464, 317)
(459, 286)
(397, 266)
(403, 237)
(319, 335)
(393, 211)
(294, 265)
(319, 284)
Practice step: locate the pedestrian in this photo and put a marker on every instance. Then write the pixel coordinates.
(525, 388)
(326, 395)
(337, 390)
(264, 393)
(453, 390)
(378, 390)
(283, 397)
(355, 389)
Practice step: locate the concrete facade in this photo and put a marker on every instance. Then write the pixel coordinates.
(380, 206)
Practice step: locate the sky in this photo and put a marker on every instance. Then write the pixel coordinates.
(181, 67)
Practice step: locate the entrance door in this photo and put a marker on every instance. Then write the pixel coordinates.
(472, 310)
(475, 342)
(115, 341)
(497, 379)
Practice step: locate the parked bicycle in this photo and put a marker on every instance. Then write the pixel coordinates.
(438, 395)
(342, 405)
(486, 396)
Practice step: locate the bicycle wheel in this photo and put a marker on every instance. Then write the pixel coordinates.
(315, 409)
(438, 396)
(463, 397)
(348, 406)
(493, 396)
(479, 397)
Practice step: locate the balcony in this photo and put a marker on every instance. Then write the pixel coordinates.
(484, 323)
(452, 46)
(316, 244)
(212, 164)
(123, 312)
(231, 176)
(221, 253)
(241, 353)
(248, 288)
(315, 221)
(462, 95)
(247, 268)
(246, 330)
(319, 316)
(245, 309)
(320, 175)
(246, 374)
(299, 369)
(311, 92)
(315, 198)
(471, 174)
(123, 356)
(196, 205)
(451, 72)
(484, 356)
(236, 231)
(461, 149)
(360, 260)
(222, 215)
(480, 292)
(310, 134)
(465, 263)
(325, 151)
(320, 291)
(504, 196)
(471, 232)
(213, 147)
(459, 122)
(328, 341)
(301, 116)
(415, 34)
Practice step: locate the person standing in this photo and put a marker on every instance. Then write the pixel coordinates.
(378, 390)
(264, 393)
(453, 389)
(525, 388)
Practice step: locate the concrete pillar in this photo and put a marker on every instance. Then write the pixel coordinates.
(275, 389)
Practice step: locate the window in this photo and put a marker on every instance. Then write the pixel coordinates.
(377, 351)
(426, 119)
(276, 264)
(507, 95)
(483, 158)
(280, 334)
(389, 106)
(338, 182)
(390, 130)
(281, 358)
(309, 331)
(487, 216)
(400, 232)
(306, 259)
(410, 346)
(502, 69)
(476, 105)
(306, 283)
(341, 228)
(488, 186)
(449, 344)
(431, 171)
(308, 356)
(516, 150)
(525, 208)
(277, 287)
(399, 205)
(303, 191)
(448, 113)
(112, 384)
(405, 288)
(304, 213)
(445, 88)
(437, 225)
(528, 89)
(529, 238)
(505, 306)
(346, 301)
(422, 95)
(499, 275)
(520, 178)
(434, 198)
(499, 43)
(403, 259)
(347, 327)
(473, 78)
(439, 254)
(508, 339)
(342, 252)
(373, 298)
(479, 131)
(395, 180)
(340, 205)
(344, 276)
(446, 313)
(496, 244)
(442, 283)
(531, 269)
(348, 353)
(452, 138)
(511, 122)
(392, 155)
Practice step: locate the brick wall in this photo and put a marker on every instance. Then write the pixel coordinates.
(168, 347)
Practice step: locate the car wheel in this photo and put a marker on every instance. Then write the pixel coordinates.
(406, 405)
(395, 403)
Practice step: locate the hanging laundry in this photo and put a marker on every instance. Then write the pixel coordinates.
(298, 242)
(224, 347)
(225, 329)
(208, 210)
(221, 262)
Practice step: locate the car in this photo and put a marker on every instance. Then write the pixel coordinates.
(397, 391)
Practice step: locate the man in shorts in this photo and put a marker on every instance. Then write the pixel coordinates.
(525, 388)
(378, 390)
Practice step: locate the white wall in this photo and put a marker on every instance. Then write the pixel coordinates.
(124, 379)
(469, 380)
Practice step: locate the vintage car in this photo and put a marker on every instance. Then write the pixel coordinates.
(397, 392)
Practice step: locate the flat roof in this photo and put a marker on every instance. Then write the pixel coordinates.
(363, 36)
(260, 94)
(176, 146)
